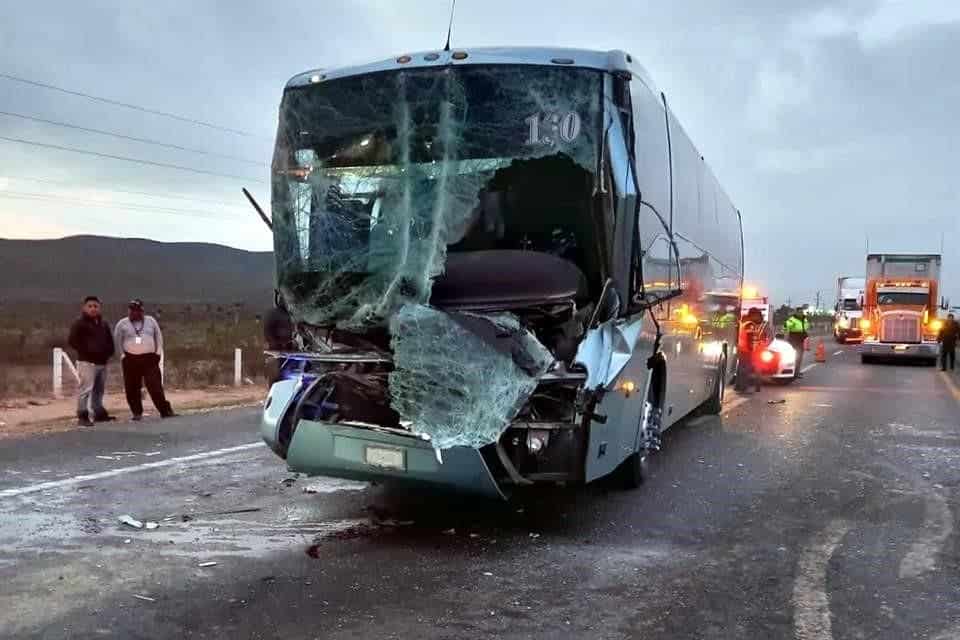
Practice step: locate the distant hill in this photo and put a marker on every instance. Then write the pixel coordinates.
(117, 269)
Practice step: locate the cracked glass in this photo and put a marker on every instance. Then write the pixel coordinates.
(376, 175)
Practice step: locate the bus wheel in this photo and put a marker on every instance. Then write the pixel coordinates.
(714, 403)
(633, 471)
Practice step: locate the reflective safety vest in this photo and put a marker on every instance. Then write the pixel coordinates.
(795, 325)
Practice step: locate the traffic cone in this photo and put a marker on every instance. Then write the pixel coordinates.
(821, 352)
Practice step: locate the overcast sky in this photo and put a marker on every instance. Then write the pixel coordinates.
(826, 122)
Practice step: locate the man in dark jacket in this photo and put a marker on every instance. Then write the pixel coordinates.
(92, 339)
(948, 342)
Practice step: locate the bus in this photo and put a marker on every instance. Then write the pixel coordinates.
(499, 268)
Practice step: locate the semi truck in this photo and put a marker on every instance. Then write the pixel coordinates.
(900, 309)
(848, 309)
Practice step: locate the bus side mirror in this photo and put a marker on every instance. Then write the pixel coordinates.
(608, 306)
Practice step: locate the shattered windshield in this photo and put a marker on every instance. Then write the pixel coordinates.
(375, 175)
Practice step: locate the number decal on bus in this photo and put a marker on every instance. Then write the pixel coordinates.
(560, 128)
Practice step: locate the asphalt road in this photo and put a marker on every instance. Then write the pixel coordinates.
(830, 515)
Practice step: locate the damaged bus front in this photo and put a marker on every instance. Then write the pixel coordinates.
(460, 251)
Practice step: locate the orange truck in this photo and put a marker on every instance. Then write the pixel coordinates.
(900, 310)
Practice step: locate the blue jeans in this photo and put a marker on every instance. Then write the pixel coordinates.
(93, 381)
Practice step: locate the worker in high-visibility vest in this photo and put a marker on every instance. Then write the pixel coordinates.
(751, 339)
(797, 327)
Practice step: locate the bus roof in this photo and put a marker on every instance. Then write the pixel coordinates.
(614, 61)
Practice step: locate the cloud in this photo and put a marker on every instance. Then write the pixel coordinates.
(827, 120)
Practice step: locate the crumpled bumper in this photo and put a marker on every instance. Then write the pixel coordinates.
(336, 450)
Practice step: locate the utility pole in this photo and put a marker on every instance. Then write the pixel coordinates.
(818, 300)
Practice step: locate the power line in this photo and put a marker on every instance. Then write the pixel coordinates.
(127, 105)
(21, 195)
(133, 138)
(128, 159)
(152, 194)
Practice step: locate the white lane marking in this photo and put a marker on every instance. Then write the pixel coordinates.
(808, 367)
(937, 529)
(838, 353)
(949, 634)
(169, 462)
(811, 603)
(954, 391)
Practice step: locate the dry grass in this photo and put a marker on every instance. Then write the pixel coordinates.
(199, 342)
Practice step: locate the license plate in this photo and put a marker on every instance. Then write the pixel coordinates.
(386, 458)
(900, 347)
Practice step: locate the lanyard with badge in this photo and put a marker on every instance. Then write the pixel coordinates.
(139, 337)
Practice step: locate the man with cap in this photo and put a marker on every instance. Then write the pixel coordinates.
(140, 342)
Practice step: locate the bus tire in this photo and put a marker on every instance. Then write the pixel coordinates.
(865, 359)
(633, 471)
(714, 403)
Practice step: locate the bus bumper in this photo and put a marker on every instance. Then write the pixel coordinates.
(359, 453)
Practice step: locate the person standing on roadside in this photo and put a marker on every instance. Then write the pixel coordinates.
(947, 337)
(751, 339)
(796, 327)
(140, 342)
(90, 338)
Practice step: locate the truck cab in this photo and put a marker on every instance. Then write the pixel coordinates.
(848, 310)
(900, 310)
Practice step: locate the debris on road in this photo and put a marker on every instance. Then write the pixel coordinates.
(450, 532)
(534, 535)
(204, 565)
(146, 598)
(390, 522)
(288, 482)
(130, 521)
(780, 401)
(487, 573)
